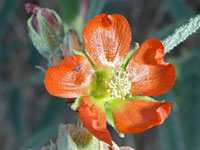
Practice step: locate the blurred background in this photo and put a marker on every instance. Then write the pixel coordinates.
(29, 116)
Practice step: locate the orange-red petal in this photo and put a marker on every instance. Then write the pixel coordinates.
(94, 120)
(70, 79)
(149, 74)
(107, 40)
(135, 116)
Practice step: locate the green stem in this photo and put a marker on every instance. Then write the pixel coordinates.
(181, 33)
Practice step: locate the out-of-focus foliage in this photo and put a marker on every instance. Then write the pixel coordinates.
(6, 11)
(15, 105)
(95, 8)
(180, 12)
(69, 8)
(178, 9)
(29, 117)
(190, 99)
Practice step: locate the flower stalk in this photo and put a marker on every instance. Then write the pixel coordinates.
(181, 33)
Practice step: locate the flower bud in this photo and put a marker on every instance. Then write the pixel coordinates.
(45, 29)
(71, 42)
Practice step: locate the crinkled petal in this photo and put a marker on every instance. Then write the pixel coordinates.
(107, 40)
(94, 120)
(70, 79)
(135, 116)
(149, 74)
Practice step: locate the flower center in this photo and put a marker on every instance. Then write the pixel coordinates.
(119, 85)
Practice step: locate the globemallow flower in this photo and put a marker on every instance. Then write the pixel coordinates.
(112, 83)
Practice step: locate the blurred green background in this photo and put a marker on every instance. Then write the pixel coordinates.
(29, 116)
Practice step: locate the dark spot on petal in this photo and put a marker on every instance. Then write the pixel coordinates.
(77, 68)
(108, 20)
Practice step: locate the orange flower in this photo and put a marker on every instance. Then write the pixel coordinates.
(113, 83)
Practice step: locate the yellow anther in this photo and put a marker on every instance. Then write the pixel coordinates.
(119, 85)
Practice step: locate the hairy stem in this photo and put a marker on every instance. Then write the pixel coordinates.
(181, 33)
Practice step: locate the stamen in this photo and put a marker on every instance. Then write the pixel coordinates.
(119, 85)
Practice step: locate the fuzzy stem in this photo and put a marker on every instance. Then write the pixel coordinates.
(181, 33)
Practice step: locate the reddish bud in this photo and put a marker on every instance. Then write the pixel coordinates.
(45, 29)
(34, 10)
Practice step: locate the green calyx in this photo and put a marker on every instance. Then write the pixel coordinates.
(59, 21)
(128, 57)
(77, 103)
(99, 84)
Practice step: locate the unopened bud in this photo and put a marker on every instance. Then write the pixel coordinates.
(45, 29)
(71, 42)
